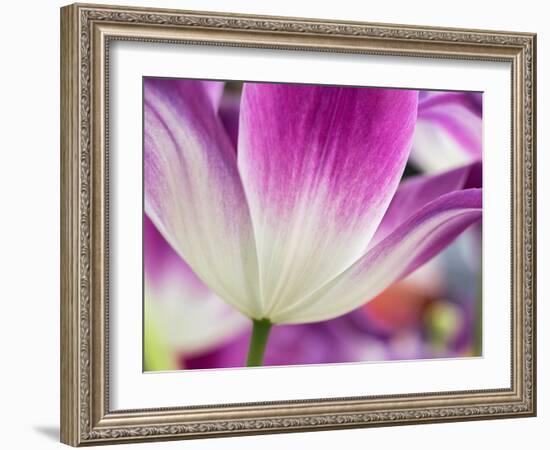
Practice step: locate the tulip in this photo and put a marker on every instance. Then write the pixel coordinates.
(288, 227)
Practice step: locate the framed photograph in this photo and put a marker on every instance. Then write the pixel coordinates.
(276, 225)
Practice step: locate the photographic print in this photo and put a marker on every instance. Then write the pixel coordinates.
(305, 210)
(292, 224)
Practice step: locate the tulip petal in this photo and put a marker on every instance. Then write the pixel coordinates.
(214, 91)
(418, 191)
(193, 192)
(319, 165)
(409, 246)
(448, 131)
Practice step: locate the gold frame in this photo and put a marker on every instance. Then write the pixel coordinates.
(86, 31)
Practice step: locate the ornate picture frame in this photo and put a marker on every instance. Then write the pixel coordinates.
(86, 34)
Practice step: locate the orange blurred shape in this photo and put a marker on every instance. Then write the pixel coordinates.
(400, 306)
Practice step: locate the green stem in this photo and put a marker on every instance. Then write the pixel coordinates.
(258, 340)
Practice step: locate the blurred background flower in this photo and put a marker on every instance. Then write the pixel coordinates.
(448, 130)
(435, 312)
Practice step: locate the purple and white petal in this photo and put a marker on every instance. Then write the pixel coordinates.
(190, 317)
(319, 165)
(214, 91)
(449, 130)
(416, 192)
(408, 247)
(193, 192)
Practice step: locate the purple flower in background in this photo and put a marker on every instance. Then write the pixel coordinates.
(294, 224)
(448, 130)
